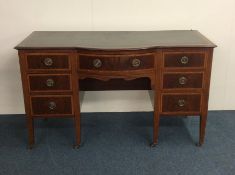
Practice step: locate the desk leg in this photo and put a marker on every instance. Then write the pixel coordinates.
(77, 120)
(76, 101)
(205, 97)
(30, 125)
(77, 130)
(25, 85)
(155, 129)
(203, 119)
(156, 119)
(156, 81)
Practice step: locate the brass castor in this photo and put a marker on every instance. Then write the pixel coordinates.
(76, 146)
(152, 145)
(198, 144)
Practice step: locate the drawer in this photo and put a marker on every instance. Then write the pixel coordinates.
(181, 103)
(182, 80)
(49, 82)
(184, 59)
(51, 105)
(44, 62)
(115, 63)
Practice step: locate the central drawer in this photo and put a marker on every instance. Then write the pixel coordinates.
(116, 62)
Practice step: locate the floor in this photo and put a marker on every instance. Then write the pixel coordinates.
(117, 144)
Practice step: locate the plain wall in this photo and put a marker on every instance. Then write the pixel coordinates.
(213, 18)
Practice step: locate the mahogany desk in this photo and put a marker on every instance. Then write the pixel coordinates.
(55, 65)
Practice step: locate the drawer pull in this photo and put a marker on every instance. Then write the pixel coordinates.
(184, 60)
(97, 63)
(182, 80)
(181, 102)
(50, 82)
(52, 105)
(135, 62)
(48, 61)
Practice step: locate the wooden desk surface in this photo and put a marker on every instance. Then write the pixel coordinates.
(114, 40)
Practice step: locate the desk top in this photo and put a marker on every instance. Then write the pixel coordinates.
(114, 40)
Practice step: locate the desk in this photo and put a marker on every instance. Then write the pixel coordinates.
(176, 65)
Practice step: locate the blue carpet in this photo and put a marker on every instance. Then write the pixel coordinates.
(117, 144)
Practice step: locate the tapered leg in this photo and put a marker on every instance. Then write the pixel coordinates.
(156, 119)
(30, 125)
(76, 100)
(78, 131)
(203, 119)
(156, 81)
(155, 129)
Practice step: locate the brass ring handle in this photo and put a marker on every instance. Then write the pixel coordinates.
(50, 82)
(97, 63)
(181, 102)
(184, 60)
(52, 105)
(48, 61)
(136, 62)
(182, 80)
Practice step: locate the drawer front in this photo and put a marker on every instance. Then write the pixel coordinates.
(51, 105)
(184, 60)
(181, 103)
(182, 80)
(49, 82)
(116, 62)
(44, 62)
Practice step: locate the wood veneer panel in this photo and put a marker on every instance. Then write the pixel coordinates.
(116, 62)
(170, 103)
(39, 82)
(41, 105)
(37, 61)
(190, 80)
(174, 59)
